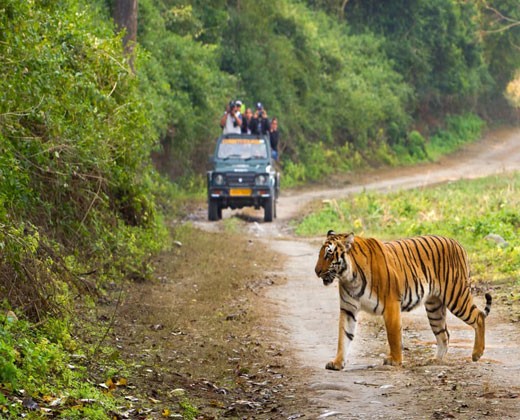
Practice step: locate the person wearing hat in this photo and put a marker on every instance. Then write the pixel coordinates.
(260, 120)
(231, 121)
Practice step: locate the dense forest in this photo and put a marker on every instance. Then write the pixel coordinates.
(352, 82)
(95, 140)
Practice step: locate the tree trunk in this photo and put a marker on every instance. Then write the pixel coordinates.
(125, 17)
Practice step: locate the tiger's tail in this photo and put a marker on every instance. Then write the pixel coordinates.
(489, 300)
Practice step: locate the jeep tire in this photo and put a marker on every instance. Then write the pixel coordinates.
(269, 209)
(214, 210)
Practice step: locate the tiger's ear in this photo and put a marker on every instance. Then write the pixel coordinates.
(330, 233)
(349, 240)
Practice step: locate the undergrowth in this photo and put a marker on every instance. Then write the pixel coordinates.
(459, 130)
(81, 207)
(319, 161)
(43, 371)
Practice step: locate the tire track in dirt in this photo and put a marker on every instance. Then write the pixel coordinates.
(308, 312)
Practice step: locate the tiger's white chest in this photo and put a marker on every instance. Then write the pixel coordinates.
(372, 304)
(359, 288)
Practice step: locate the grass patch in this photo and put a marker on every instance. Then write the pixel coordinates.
(466, 210)
(459, 130)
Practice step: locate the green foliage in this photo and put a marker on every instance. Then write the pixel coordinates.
(8, 355)
(44, 369)
(412, 149)
(181, 82)
(358, 77)
(75, 140)
(441, 57)
(189, 412)
(417, 145)
(319, 162)
(460, 129)
(327, 87)
(79, 198)
(500, 39)
(493, 209)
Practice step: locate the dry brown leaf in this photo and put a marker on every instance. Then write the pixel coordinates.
(122, 382)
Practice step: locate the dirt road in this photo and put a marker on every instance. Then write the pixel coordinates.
(308, 312)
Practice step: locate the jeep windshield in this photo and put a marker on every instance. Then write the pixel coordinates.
(244, 149)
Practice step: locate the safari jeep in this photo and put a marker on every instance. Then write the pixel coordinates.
(243, 175)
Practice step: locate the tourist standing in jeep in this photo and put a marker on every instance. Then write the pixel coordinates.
(247, 122)
(260, 121)
(231, 121)
(274, 137)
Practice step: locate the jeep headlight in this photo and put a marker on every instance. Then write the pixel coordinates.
(219, 179)
(261, 180)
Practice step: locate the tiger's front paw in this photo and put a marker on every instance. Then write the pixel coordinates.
(390, 361)
(476, 355)
(333, 365)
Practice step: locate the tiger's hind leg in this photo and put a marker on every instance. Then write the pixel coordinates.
(480, 337)
(436, 311)
(467, 311)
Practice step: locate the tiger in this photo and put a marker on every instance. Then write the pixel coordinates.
(387, 278)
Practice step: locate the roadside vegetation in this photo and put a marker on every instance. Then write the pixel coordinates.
(80, 204)
(481, 214)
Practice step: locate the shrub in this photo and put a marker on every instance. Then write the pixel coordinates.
(75, 170)
(460, 129)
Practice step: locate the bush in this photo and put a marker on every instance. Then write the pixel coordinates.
(460, 130)
(318, 162)
(75, 171)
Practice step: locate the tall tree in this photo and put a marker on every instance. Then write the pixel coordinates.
(125, 17)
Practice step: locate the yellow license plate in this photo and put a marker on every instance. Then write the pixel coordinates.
(240, 192)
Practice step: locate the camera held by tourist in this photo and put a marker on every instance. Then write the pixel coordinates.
(260, 121)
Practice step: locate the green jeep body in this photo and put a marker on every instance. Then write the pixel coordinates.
(243, 175)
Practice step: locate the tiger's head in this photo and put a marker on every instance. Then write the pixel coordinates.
(332, 260)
